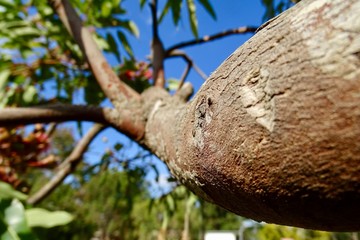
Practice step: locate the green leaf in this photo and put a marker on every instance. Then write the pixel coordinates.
(38, 217)
(192, 17)
(93, 93)
(14, 217)
(125, 43)
(116, 2)
(7, 3)
(101, 42)
(164, 11)
(131, 27)
(118, 146)
(113, 46)
(142, 3)
(25, 32)
(106, 8)
(29, 94)
(208, 7)
(173, 84)
(176, 10)
(8, 192)
(134, 29)
(4, 75)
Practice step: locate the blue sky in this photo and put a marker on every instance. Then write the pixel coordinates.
(208, 56)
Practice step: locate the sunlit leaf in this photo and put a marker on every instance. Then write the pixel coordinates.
(101, 42)
(207, 5)
(29, 94)
(131, 27)
(134, 29)
(8, 192)
(7, 3)
(4, 75)
(38, 217)
(116, 2)
(106, 8)
(192, 17)
(173, 84)
(14, 217)
(26, 32)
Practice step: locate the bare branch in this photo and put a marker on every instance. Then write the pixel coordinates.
(51, 128)
(115, 90)
(177, 53)
(157, 48)
(208, 38)
(52, 113)
(123, 120)
(67, 166)
(185, 74)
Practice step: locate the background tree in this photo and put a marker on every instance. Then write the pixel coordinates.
(264, 94)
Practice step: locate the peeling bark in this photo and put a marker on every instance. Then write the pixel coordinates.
(274, 133)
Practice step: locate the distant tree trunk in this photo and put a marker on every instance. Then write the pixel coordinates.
(274, 133)
(188, 206)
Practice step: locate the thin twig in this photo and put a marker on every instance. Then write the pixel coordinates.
(209, 38)
(187, 59)
(68, 165)
(51, 129)
(184, 75)
(114, 89)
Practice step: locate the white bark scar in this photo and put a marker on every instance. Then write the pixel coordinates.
(257, 98)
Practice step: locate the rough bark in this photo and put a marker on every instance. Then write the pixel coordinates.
(274, 133)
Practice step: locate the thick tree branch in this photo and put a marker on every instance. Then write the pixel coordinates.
(209, 38)
(157, 49)
(274, 133)
(122, 120)
(115, 90)
(67, 166)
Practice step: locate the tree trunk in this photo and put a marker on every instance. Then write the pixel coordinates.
(274, 133)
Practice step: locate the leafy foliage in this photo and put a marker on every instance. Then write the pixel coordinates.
(37, 52)
(16, 222)
(175, 7)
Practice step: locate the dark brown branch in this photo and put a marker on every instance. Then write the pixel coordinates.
(185, 74)
(52, 113)
(122, 120)
(115, 90)
(67, 166)
(157, 49)
(187, 59)
(209, 38)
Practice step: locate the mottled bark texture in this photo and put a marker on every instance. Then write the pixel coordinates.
(274, 133)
